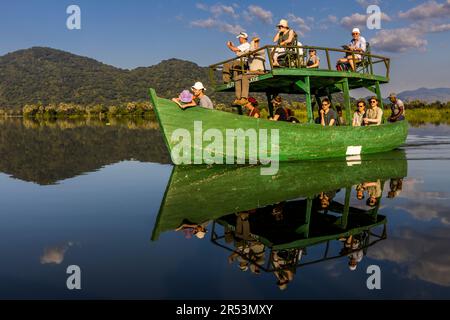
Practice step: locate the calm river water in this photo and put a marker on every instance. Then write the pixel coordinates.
(104, 197)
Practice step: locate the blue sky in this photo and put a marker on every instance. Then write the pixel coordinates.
(128, 34)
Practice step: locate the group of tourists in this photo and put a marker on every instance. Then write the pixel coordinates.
(365, 115)
(193, 98)
(253, 62)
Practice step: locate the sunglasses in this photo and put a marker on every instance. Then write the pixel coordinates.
(354, 33)
(373, 101)
(361, 106)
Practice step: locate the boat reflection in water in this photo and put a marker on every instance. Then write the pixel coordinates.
(268, 223)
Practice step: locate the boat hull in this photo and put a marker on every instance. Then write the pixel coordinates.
(296, 141)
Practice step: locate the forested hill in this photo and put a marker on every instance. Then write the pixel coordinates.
(45, 75)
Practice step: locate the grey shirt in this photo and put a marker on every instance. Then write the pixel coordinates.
(205, 102)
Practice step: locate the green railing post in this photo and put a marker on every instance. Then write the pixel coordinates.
(211, 77)
(346, 92)
(305, 87)
(269, 104)
(378, 92)
(309, 203)
(328, 59)
(344, 218)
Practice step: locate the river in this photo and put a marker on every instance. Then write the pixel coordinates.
(105, 198)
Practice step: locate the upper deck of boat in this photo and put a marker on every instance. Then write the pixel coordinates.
(372, 70)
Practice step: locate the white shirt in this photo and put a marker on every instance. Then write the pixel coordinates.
(243, 48)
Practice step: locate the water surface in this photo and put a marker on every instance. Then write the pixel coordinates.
(101, 196)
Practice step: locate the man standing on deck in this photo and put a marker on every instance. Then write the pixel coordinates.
(243, 48)
(397, 108)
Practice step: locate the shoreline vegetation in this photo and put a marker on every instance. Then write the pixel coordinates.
(141, 113)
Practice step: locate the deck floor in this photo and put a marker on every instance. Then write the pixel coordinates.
(322, 82)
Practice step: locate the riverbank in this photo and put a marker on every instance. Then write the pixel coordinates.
(142, 112)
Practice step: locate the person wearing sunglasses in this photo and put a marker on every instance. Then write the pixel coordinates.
(357, 45)
(360, 114)
(374, 114)
(327, 116)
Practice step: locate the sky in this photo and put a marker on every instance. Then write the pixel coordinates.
(128, 34)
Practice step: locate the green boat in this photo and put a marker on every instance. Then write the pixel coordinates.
(306, 141)
(204, 193)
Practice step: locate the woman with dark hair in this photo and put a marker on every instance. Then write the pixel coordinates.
(252, 106)
(359, 114)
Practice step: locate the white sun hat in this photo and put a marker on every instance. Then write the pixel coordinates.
(356, 30)
(198, 86)
(242, 35)
(283, 23)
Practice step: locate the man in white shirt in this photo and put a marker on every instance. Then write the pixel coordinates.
(243, 48)
(358, 44)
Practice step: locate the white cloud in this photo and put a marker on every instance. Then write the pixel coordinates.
(208, 23)
(360, 20)
(55, 254)
(211, 23)
(398, 40)
(264, 15)
(439, 28)
(201, 6)
(230, 28)
(300, 24)
(331, 18)
(219, 9)
(366, 3)
(427, 10)
(403, 39)
(424, 256)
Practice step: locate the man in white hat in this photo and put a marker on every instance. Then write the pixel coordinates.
(358, 44)
(284, 37)
(242, 48)
(199, 93)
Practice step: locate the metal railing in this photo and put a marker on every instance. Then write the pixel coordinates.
(295, 57)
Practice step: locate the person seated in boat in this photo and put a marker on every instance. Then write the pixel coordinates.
(282, 112)
(193, 229)
(284, 37)
(252, 107)
(327, 115)
(284, 263)
(199, 94)
(397, 108)
(374, 114)
(356, 46)
(353, 249)
(374, 192)
(323, 200)
(313, 61)
(185, 99)
(396, 186)
(359, 114)
(340, 117)
(231, 69)
(360, 189)
(255, 67)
